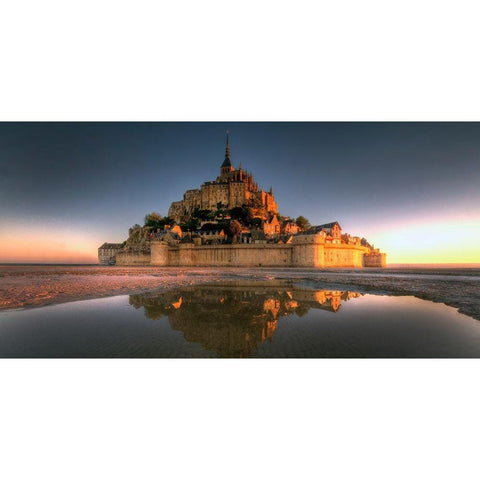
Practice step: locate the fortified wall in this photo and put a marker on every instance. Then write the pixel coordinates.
(133, 259)
(304, 251)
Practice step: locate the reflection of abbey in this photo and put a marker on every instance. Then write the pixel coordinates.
(235, 321)
(230, 221)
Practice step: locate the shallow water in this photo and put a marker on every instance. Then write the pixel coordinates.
(242, 320)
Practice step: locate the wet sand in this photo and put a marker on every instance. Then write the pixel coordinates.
(35, 286)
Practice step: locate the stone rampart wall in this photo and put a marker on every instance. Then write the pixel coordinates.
(344, 256)
(133, 259)
(261, 255)
(375, 260)
(306, 252)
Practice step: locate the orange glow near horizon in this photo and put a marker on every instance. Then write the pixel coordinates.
(419, 241)
(448, 241)
(36, 245)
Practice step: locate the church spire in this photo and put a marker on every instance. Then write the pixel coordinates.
(227, 162)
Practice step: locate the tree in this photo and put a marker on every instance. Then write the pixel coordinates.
(190, 226)
(302, 222)
(234, 228)
(256, 222)
(243, 214)
(203, 214)
(222, 213)
(223, 225)
(209, 226)
(152, 220)
(155, 221)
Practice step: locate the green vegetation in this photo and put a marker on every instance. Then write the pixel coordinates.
(156, 221)
(231, 221)
(190, 226)
(302, 222)
(243, 214)
(221, 213)
(209, 226)
(203, 214)
(256, 222)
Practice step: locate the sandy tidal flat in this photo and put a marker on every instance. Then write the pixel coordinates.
(34, 285)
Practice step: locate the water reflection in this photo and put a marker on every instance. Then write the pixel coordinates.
(233, 321)
(268, 320)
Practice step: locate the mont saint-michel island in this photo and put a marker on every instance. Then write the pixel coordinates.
(231, 221)
(271, 241)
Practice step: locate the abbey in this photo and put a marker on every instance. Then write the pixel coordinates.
(232, 188)
(230, 221)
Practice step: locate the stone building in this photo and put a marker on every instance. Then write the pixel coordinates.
(107, 252)
(232, 188)
(271, 226)
(332, 230)
(217, 234)
(290, 227)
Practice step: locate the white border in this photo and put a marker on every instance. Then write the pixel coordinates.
(250, 60)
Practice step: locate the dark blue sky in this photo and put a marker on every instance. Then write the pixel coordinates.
(101, 178)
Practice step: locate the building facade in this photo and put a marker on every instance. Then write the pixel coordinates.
(232, 188)
(107, 253)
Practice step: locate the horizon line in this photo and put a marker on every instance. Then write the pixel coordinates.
(392, 265)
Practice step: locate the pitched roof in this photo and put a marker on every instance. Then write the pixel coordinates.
(273, 220)
(329, 225)
(217, 231)
(324, 226)
(286, 238)
(111, 245)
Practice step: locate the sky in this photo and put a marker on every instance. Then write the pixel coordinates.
(412, 189)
